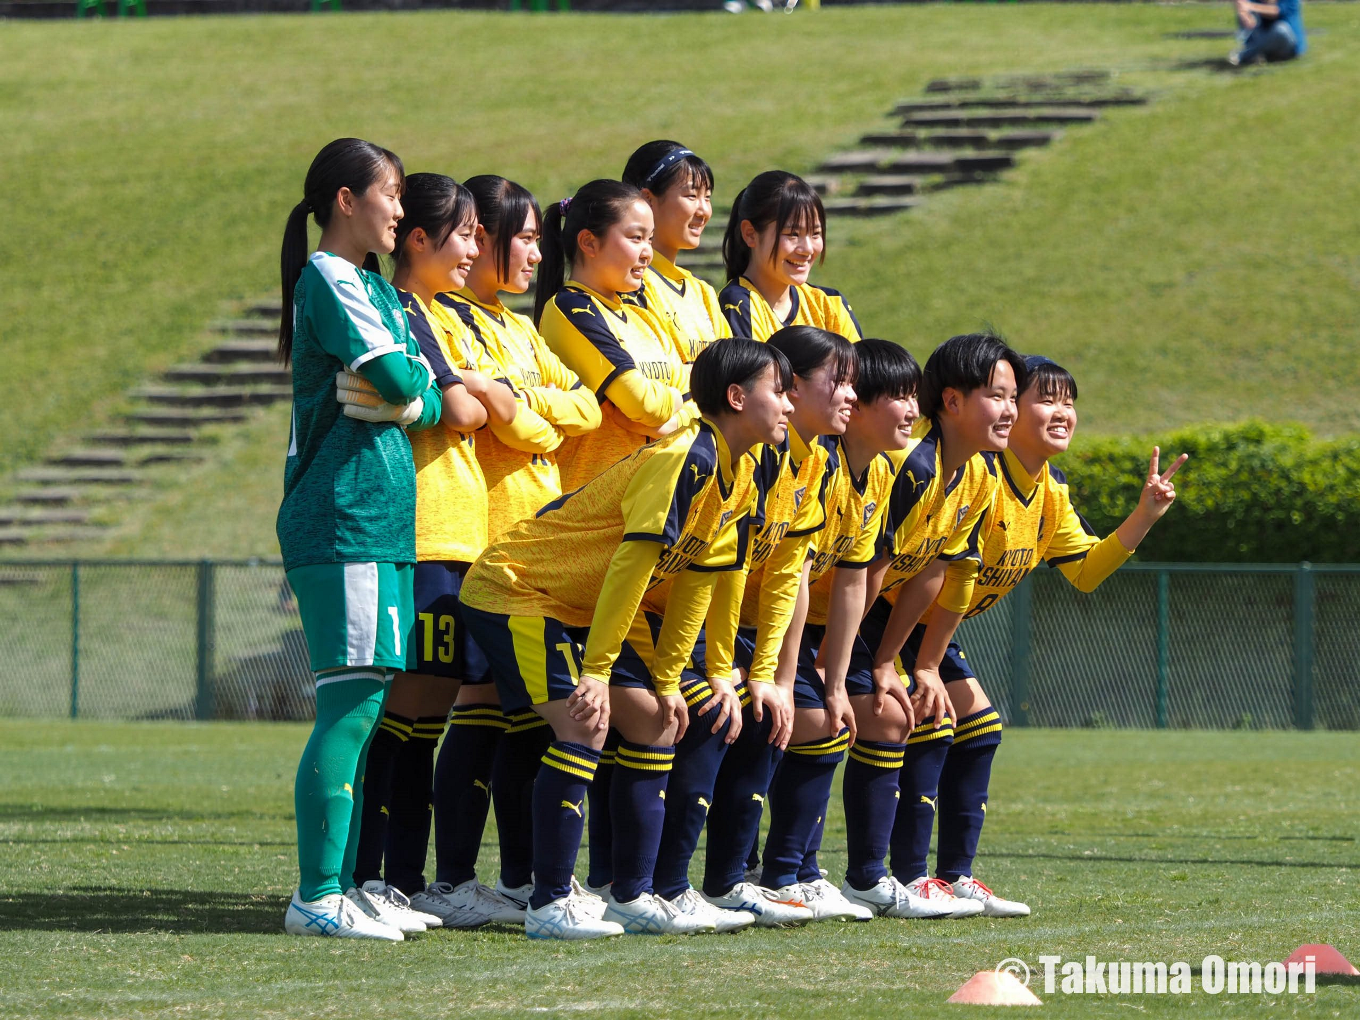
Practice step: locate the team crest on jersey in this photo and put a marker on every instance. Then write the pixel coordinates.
(869, 509)
(798, 495)
(963, 512)
(726, 516)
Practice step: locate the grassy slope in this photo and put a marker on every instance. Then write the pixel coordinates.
(146, 868)
(162, 156)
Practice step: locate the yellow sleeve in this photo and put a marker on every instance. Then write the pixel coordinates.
(529, 432)
(957, 593)
(1074, 549)
(568, 404)
(720, 627)
(686, 608)
(778, 598)
(625, 582)
(642, 400)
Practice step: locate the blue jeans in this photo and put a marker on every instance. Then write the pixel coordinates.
(1274, 42)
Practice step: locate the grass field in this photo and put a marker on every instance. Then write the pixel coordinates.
(1200, 246)
(146, 867)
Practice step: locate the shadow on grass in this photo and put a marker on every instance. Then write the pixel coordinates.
(110, 909)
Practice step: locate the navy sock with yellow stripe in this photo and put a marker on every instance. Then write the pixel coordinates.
(963, 792)
(600, 869)
(393, 732)
(871, 793)
(512, 791)
(738, 801)
(462, 789)
(637, 803)
(689, 796)
(559, 817)
(920, 786)
(410, 805)
(798, 801)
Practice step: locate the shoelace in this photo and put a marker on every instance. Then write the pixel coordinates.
(933, 887)
(975, 882)
(754, 892)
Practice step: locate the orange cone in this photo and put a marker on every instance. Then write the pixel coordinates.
(995, 988)
(1326, 959)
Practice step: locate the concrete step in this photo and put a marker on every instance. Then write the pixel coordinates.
(169, 457)
(248, 327)
(1000, 118)
(186, 419)
(59, 534)
(49, 496)
(78, 476)
(889, 184)
(13, 536)
(235, 351)
(90, 458)
(961, 139)
(143, 437)
(23, 517)
(219, 396)
(947, 162)
(908, 106)
(1032, 83)
(264, 308)
(869, 206)
(855, 162)
(223, 375)
(954, 85)
(1013, 140)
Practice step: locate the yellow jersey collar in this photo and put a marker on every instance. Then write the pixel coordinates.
(1017, 477)
(798, 450)
(726, 473)
(497, 309)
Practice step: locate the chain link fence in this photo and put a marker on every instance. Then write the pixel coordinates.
(1156, 646)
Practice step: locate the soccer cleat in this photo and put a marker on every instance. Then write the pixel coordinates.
(826, 902)
(890, 898)
(335, 917)
(592, 903)
(602, 891)
(966, 887)
(466, 905)
(770, 910)
(691, 903)
(938, 891)
(517, 895)
(564, 919)
(395, 908)
(649, 914)
(751, 876)
(406, 923)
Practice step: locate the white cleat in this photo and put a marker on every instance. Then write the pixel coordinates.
(691, 903)
(336, 917)
(825, 901)
(394, 908)
(890, 898)
(938, 892)
(751, 876)
(969, 888)
(377, 911)
(517, 895)
(564, 919)
(466, 905)
(649, 914)
(770, 910)
(591, 902)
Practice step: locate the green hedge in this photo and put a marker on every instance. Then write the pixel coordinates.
(1251, 493)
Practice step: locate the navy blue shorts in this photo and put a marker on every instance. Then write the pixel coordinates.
(808, 690)
(532, 659)
(953, 667)
(439, 643)
(633, 666)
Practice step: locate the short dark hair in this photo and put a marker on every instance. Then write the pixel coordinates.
(1050, 379)
(502, 208)
(964, 363)
(886, 369)
(659, 165)
(809, 348)
(734, 360)
(437, 204)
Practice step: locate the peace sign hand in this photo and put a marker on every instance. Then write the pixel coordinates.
(1158, 491)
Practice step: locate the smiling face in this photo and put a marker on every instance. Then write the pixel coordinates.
(984, 416)
(618, 261)
(788, 254)
(373, 215)
(457, 254)
(822, 405)
(1045, 421)
(681, 211)
(884, 424)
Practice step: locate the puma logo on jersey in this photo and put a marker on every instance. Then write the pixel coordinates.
(481, 785)
(704, 804)
(1001, 525)
(759, 798)
(914, 483)
(587, 310)
(349, 789)
(384, 810)
(574, 807)
(735, 307)
(661, 794)
(984, 807)
(931, 802)
(698, 476)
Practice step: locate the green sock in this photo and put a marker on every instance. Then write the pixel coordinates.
(327, 794)
(357, 813)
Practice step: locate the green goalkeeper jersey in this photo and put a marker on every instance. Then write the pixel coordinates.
(349, 487)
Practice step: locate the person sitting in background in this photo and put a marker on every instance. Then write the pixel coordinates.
(1271, 32)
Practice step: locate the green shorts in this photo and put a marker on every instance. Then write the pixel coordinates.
(355, 614)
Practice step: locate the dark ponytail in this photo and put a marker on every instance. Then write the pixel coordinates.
(777, 197)
(436, 204)
(502, 208)
(596, 207)
(658, 165)
(345, 163)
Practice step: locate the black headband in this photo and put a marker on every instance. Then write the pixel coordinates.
(665, 164)
(1034, 361)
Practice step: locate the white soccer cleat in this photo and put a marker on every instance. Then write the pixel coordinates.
(825, 901)
(649, 914)
(517, 896)
(751, 876)
(939, 892)
(591, 902)
(691, 903)
(394, 908)
(564, 919)
(335, 917)
(969, 888)
(602, 891)
(890, 898)
(406, 922)
(770, 910)
(466, 905)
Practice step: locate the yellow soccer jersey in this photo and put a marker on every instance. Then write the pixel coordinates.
(519, 460)
(687, 304)
(749, 314)
(856, 510)
(932, 517)
(451, 507)
(589, 557)
(1033, 520)
(623, 354)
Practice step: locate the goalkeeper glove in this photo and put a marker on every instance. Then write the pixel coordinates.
(361, 399)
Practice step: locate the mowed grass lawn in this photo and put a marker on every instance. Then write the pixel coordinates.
(145, 869)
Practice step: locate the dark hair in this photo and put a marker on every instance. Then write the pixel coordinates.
(733, 361)
(886, 369)
(344, 163)
(964, 363)
(1051, 380)
(436, 204)
(596, 207)
(502, 208)
(658, 165)
(777, 197)
(809, 348)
